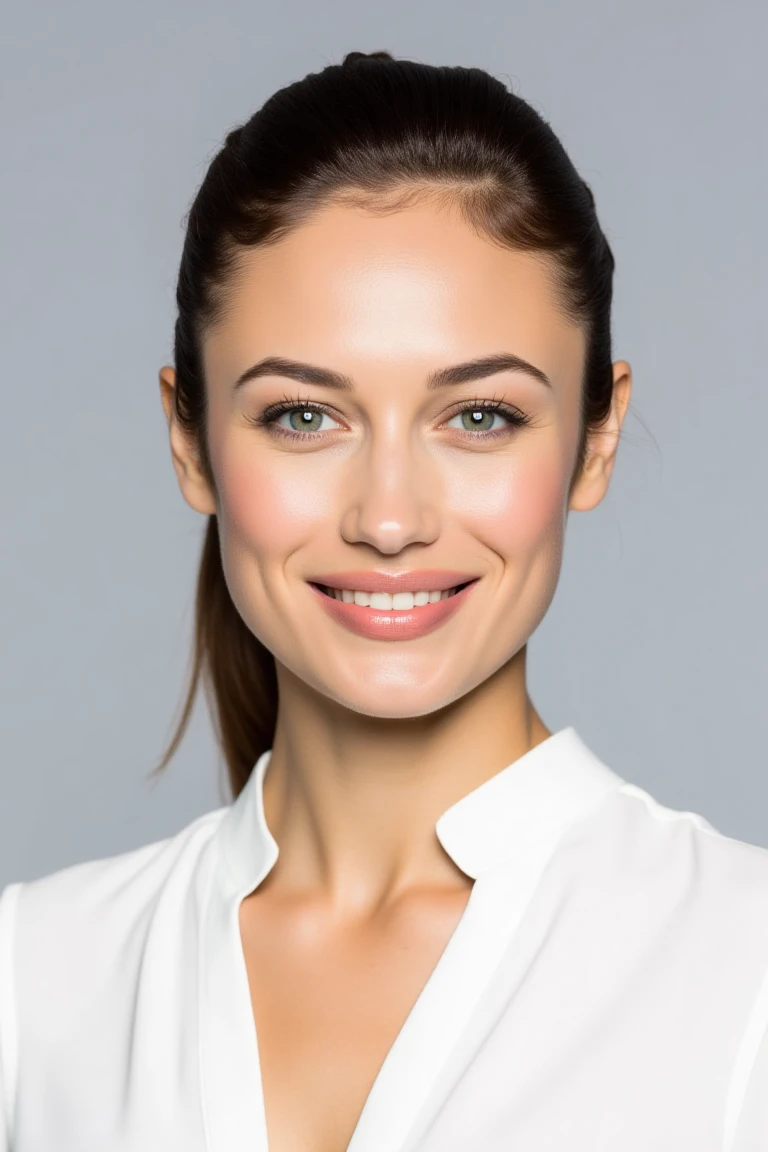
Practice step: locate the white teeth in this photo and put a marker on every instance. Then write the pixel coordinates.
(397, 601)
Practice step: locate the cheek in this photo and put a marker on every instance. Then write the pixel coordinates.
(518, 508)
(267, 504)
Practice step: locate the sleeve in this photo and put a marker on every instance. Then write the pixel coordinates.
(747, 1124)
(8, 1038)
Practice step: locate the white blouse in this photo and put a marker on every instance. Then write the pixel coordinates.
(606, 988)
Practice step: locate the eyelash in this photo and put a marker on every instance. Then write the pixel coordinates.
(267, 419)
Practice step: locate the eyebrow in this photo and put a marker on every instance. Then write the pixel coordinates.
(455, 374)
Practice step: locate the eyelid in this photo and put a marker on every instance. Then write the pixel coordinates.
(488, 403)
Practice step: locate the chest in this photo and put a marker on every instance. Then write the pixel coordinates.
(328, 1003)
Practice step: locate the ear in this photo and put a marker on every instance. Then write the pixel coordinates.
(602, 444)
(194, 487)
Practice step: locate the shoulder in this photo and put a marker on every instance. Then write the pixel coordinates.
(659, 880)
(673, 835)
(675, 866)
(77, 945)
(64, 932)
(108, 894)
(679, 913)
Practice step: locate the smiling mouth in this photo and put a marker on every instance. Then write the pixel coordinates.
(390, 602)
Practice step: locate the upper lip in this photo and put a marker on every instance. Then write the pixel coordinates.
(417, 580)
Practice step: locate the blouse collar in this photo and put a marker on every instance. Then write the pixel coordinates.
(553, 785)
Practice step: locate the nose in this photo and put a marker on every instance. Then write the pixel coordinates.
(393, 496)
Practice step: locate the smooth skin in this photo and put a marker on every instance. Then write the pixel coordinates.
(375, 739)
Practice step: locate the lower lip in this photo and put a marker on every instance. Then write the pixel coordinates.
(408, 624)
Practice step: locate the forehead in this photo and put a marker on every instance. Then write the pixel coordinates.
(417, 283)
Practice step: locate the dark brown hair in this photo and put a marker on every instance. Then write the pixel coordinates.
(382, 133)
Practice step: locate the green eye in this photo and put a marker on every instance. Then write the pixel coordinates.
(304, 419)
(475, 419)
(478, 415)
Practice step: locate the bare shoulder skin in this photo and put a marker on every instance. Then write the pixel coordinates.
(377, 734)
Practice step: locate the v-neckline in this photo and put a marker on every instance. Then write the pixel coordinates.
(231, 1082)
(502, 834)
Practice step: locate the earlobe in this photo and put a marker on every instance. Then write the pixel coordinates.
(592, 484)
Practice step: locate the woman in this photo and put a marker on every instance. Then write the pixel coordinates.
(426, 922)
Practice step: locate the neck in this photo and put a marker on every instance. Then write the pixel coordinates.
(353, 800)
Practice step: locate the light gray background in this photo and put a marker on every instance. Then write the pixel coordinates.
(654, 645)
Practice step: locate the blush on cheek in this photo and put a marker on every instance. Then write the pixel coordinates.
(521, 508)
(269, 505)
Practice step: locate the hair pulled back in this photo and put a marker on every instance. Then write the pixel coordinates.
(381, 133)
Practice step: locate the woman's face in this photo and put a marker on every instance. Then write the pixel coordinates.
(391, 475)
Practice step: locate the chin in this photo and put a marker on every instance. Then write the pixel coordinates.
(402, 710)
(387, 701)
